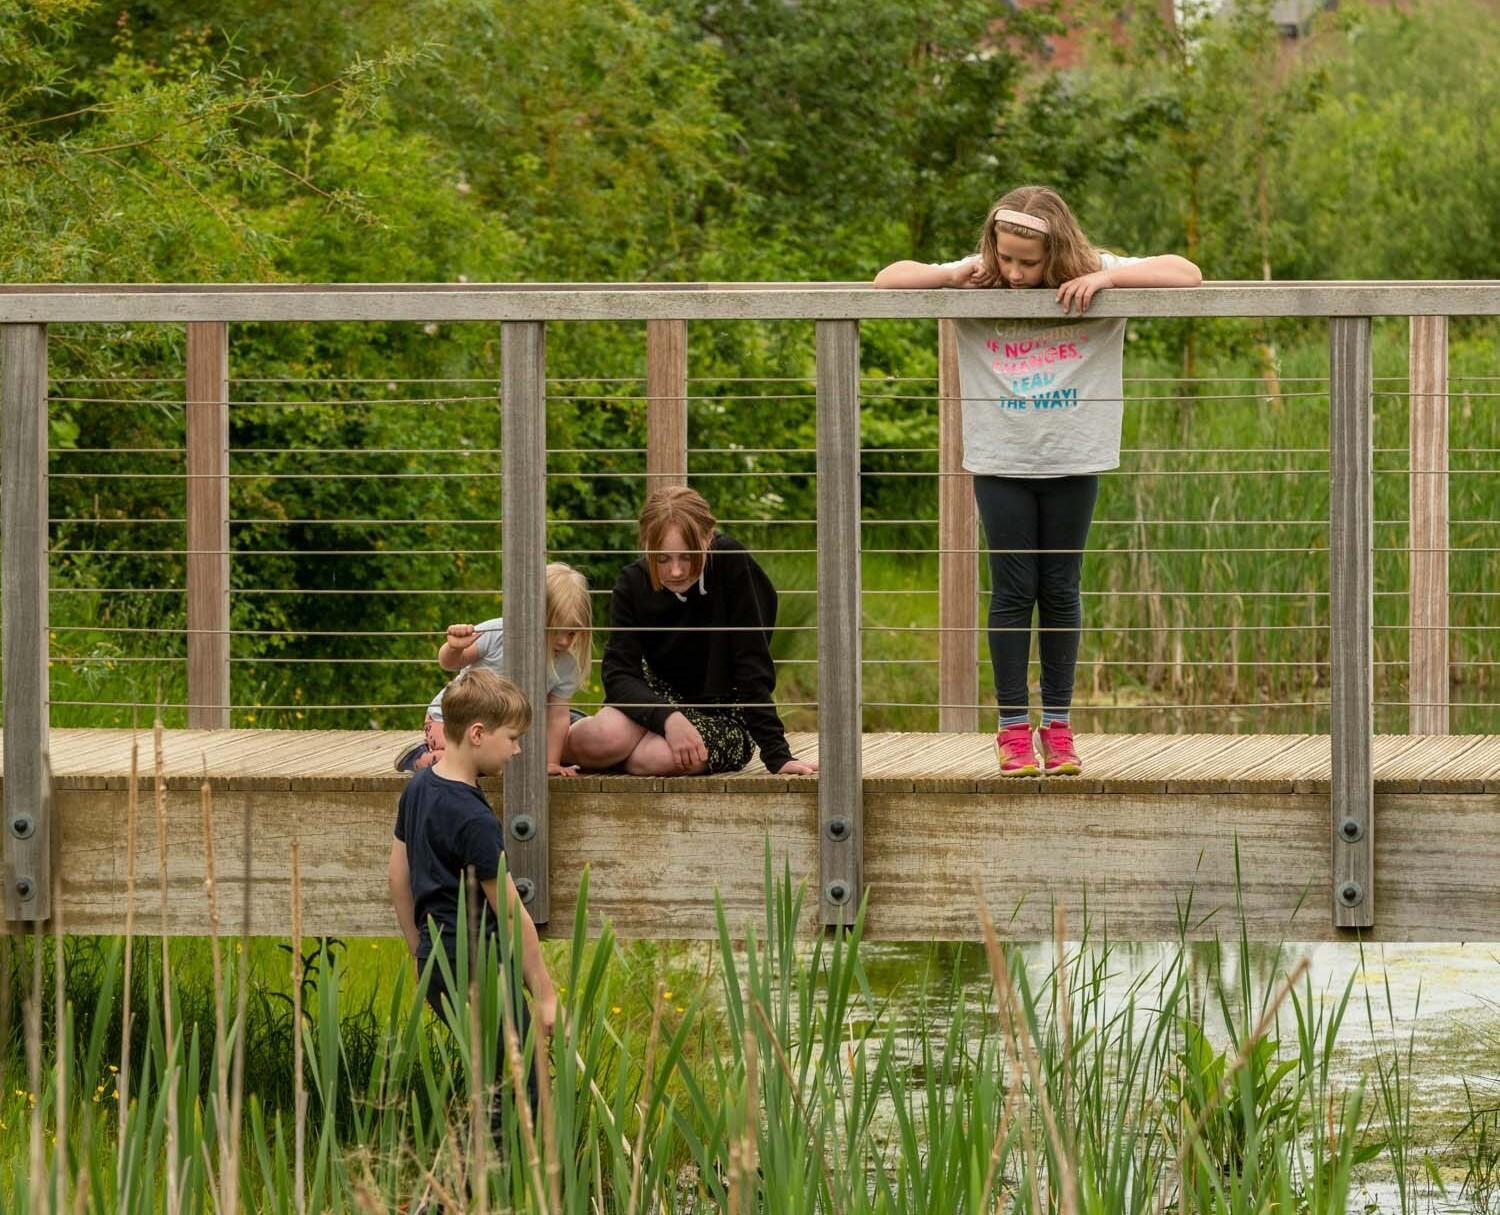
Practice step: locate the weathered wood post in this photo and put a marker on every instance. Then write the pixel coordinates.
(666, 404)
(1351, 617)
(1428, 531)
(523, 443)
(23, 599)
(958, 579)
(208, 525)
(840, 778)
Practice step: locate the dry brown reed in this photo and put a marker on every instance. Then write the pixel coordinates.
(132, 826)
(225, 1189)
(478, 1104)
(742, 1148)
(785, 1065)
(37, 1160)
(1063, 1001)
(299, 1091)
(61, 1035)
(242, 997)
(518, 1084)
(174, 1191)
(551, 1161)
(646, 1095)
(1023, 1050)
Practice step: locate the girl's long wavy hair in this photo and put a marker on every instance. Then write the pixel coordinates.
(570, 610)
(1066, 251)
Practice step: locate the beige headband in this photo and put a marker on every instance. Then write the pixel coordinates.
(1022, 220)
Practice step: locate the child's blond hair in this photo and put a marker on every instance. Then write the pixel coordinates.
(483, 696)
(1066, 251)
(685, 509)
(570, 610)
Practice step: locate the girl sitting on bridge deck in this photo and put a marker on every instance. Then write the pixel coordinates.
(570, 622)
(1043, 404)
(688, 673)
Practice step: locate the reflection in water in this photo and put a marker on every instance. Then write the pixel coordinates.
(1439, 1002)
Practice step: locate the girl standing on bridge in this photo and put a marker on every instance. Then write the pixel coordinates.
(570, 622)
(1043, 405)
(688, 672)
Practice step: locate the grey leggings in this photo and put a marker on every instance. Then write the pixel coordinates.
(1036, 528)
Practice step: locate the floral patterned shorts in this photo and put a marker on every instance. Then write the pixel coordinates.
(724, 732)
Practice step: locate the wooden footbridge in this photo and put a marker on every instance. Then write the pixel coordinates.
(1306, 836)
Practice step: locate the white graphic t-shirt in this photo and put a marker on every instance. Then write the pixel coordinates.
(1042, 400)
(562, 671)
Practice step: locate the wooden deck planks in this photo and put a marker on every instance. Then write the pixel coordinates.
(893, 763)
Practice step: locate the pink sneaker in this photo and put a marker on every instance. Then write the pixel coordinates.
(1013, 747)
(1059, 756)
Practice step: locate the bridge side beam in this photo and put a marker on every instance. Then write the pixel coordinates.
(1351, 512)
(523, 443)
(23, 601)
(840, 778)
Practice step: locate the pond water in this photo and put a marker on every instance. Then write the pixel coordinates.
(1437, 1005)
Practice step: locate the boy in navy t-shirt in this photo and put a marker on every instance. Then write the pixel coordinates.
(444, 825)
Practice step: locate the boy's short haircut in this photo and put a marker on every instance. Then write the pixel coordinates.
(482, 696)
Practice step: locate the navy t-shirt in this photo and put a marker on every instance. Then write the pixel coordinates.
(447, 826)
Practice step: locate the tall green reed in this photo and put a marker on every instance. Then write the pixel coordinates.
(791, 1087)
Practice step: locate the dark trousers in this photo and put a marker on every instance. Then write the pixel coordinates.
(1036, 530)
(503, 1102)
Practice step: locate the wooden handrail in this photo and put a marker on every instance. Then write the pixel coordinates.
(738, 301)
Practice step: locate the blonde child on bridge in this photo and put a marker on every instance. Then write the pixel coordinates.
(569, 643)
(1043, 404)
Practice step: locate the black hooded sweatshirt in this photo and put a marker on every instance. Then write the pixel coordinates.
(715, 647)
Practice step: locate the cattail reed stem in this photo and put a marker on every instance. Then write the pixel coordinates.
(646, 1095)
(518, 1084)
(748, 1156)
(1020, 1034)
(299, 1107)
(34, 1063)
(7, 964)
(174, 1196)
(132, 826)
(60, 1048)
(1064, 1000)
(242, 997)
(1012, 1103)
(478, 1116)
(228, 1190)
(545, 1113)
(785, 1065)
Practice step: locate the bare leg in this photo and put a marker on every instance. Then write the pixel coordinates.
(652, 757)
(603, 740)
(437, 743)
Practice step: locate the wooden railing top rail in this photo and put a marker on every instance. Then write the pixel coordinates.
(177, 302)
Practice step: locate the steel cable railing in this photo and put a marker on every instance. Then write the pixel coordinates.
(1161, 680)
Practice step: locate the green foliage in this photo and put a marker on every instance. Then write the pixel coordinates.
(686, 139)
(1386, 183)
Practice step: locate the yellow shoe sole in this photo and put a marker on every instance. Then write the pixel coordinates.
(1028, 770)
